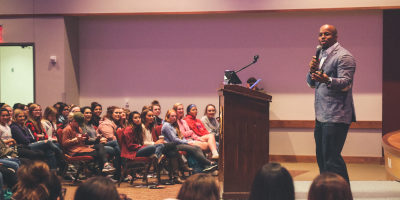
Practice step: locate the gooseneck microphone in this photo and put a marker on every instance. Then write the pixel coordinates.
(319, 48)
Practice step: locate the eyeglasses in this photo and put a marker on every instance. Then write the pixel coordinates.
(38, 110)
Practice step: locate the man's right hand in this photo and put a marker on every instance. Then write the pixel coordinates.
(314, 64)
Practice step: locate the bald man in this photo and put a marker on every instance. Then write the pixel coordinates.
(332, 78)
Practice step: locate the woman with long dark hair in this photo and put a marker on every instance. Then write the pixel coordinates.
(62, 114)
(96, 112)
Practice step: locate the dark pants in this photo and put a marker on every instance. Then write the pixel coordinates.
(9, 177)
(194, 151)
(169, 150)
(98, 154)
(329, 142)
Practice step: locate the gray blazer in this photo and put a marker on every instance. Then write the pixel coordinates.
(335, 104)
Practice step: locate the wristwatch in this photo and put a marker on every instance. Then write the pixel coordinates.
(329, 82)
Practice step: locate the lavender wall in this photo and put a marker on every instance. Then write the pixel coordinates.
(184, 56)
(181, 58)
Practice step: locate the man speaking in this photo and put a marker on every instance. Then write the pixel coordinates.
(332, 77)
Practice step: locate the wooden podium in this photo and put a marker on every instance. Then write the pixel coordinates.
(244, 138)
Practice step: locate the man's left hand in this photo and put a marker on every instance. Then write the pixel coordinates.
(317, 76)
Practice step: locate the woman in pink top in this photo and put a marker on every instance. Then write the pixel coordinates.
(205, 142)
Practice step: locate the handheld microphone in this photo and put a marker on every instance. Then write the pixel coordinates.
(319, 48)
(256, 58)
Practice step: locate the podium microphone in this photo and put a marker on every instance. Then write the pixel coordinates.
(319, 48)
(256, 58)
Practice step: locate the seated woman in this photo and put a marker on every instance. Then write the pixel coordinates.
(63, 112)
(109, 124)
(36, 182)
(209, 122)
(123, 121)
(89, 128)
(329, 186)
(199, 187)
(10, 110)
(96, 112)
(111, 150)
(74, 142)
(195, 130)
(24, 136)
(156, 108)
(272, 181)
(34, 124)
(171, 132)
(49, 123)
(75, 109)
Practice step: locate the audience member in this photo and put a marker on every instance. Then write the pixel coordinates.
(97, 109)
(88, 128)
(108, 128)
(156, 108)
(36, 182)
(63, 112)
(10, 111)
(97, 188)
(49, 123)
(34, 123)
(199, 187)
(272, 182)
(5, 130)
(209, 122)
(170, 130)
(110, 123)
(329, 186)
(75, 109)
(123, 121)
(205, 140)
